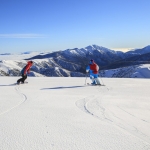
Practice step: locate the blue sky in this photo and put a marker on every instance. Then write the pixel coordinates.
(49, 25)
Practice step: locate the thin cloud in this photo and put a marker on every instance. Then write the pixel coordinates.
(122, 49)
(22, 36)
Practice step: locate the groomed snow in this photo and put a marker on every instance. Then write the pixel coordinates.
(63, 114)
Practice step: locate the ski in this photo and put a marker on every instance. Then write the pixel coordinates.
(21, 83)
(95, 84)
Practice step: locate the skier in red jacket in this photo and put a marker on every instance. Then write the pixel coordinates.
(24, 72)
(93, 69)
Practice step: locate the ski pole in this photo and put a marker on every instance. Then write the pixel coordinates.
(85, 78)
(101, 79)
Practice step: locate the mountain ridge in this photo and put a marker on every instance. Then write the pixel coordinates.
(72, 62)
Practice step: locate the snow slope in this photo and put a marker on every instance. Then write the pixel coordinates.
(63, 114)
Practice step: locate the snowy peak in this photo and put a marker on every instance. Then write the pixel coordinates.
(146, 49)
(91, 47)
(96, 47)
(140, 51)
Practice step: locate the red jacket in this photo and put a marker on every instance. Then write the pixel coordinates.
(26, 69)
(94, 67)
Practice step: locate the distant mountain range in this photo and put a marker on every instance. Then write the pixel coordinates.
(135, 71)
(72, 62)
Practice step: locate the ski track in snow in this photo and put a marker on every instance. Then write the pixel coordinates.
(24, 98)
(133, 115)
(93, 106)
(94, 102)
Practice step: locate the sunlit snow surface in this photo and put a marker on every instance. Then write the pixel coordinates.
(63, 114)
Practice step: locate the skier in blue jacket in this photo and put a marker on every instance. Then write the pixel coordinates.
(93, 69)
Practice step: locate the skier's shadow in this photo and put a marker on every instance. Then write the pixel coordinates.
(9, 84)
(61, 87)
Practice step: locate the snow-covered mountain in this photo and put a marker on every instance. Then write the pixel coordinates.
(44, 67)
(135, 71)
(139, 51)
(72, 62)
(103, 56)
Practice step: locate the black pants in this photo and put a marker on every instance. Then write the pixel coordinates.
(24, 77)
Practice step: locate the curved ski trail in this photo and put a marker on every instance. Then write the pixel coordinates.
(24, 97)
